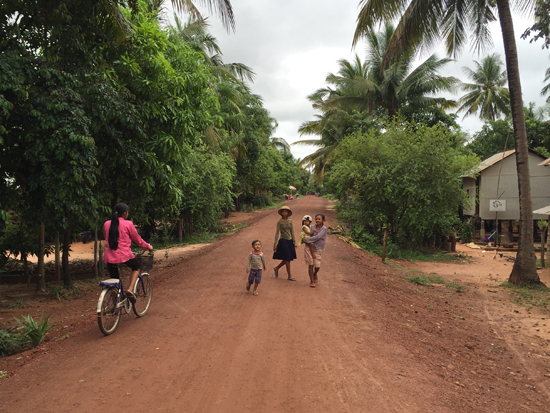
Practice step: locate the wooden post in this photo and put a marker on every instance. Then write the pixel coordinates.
(41, 282)
(385, 244)
(542, 245)
(482, 230)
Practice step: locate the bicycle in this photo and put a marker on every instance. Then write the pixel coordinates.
(113, 298)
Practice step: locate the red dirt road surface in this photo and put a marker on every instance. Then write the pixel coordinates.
(364, 340)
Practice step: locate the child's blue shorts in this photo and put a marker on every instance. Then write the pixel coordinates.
(255, 276)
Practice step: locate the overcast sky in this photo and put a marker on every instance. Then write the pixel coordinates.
(292, 45)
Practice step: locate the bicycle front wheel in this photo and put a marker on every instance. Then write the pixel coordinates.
(108, 315)
(144, 295)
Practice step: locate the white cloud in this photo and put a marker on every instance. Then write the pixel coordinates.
(293, 45)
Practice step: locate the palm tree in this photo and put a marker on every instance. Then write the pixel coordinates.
(546, 87)
(389, 85)
(373, 86)
(195, 33)
(487, 94)
(454, 21)
(222, 8)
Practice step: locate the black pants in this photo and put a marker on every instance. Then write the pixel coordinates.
(113, 268)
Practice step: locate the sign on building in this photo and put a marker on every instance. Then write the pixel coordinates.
(497, 205)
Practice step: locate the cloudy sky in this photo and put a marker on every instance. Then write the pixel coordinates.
(292, 45)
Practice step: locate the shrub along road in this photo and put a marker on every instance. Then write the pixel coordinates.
(365, 340)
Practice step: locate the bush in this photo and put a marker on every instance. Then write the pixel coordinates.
(408, 177)
(467, 231)
(11, 342)
(35, 332)
(261, 200)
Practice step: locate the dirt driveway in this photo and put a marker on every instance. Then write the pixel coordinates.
(365, 340)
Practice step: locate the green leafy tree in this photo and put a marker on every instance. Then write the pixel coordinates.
(487, 94)
(455, 21)
(407, 177)
(374, 86)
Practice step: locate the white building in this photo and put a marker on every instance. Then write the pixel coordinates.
(494, 192)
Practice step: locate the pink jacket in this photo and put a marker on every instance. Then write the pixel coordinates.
(126, 233)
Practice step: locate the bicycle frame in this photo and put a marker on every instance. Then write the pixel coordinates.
(121, 296)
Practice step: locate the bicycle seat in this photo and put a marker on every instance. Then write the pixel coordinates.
(111, 282)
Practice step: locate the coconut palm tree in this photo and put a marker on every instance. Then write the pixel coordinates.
(423, 23)
(487, 94)
(195, 33)
(386, 86)
(222, 8)
(375, 87)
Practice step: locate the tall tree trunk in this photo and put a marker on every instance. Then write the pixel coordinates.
(96, 269)
(525, 269)
(180, 229)
(41, 282)
(57, 257)
(67, 282)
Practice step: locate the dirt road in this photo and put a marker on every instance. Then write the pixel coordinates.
(363, 341)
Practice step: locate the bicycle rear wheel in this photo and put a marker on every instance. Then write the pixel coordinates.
(108, 315)
(144, 295)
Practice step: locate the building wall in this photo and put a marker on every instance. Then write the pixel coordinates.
(508, 187)
(469, 186)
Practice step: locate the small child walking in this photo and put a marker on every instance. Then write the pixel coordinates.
(256, 263)
(304, 233)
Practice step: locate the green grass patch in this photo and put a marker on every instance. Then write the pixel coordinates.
(328, 196)
(419, 278)
(202, 237)
(59, 292)
(17, 304)
(529, 295)
(3, 374)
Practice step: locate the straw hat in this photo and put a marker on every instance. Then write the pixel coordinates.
(285, 208)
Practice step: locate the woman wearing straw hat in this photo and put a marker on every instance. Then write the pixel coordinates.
(284, 248)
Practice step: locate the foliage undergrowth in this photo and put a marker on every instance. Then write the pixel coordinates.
(203, 237)
(372, 244)
(34, 331)
(58, 292)
(17, 304)
(30, 332)
(529, 295)
(428, 280)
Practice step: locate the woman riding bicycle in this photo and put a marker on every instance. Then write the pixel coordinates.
(119, 233)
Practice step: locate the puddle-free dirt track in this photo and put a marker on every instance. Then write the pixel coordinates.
(365, 340)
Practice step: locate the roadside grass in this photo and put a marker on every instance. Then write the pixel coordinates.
(29, 333)
(328, 196)
(434, 255)
(58, 292)
(17, 304)
(202, 237)
(427, 280)
(528, 296)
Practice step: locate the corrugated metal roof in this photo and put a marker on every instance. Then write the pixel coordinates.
(545, 163)
(543, 211)
(494, 159)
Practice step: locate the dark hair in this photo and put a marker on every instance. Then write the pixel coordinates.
(118, 211)
(255, 241)
(320, 215)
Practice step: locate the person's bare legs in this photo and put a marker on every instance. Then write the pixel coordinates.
(315, 276)
(288, 269)
(311, 276)
(280, 265)
(133, 280)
